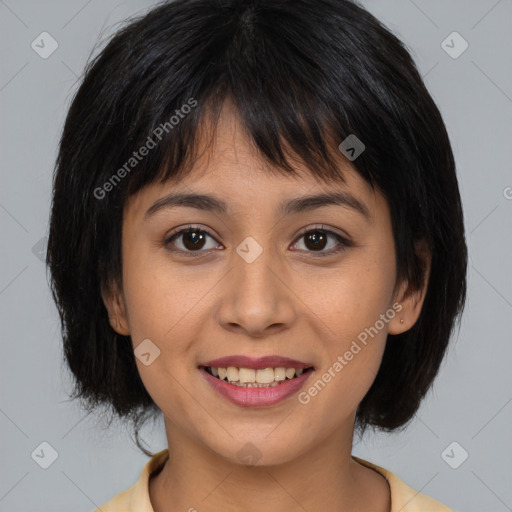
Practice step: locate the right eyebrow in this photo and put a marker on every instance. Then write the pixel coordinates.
(198, 201)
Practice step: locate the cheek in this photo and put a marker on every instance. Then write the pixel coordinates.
(165, 305)
(161, 308)
(161, 298)
(352, 299)
(357, 311)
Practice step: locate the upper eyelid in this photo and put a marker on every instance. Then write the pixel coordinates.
(189, 228)
(321, 227)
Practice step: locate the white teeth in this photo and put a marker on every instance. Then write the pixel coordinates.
(265, 375)
(262, 377)
(247, 375)
(279, 373)
(232, 374)
(290, 372)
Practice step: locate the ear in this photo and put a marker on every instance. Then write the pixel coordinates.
(116, 307)
(409, 298)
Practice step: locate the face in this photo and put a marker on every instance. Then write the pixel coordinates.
(313, 285)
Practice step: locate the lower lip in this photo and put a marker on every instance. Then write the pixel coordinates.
(256, 397)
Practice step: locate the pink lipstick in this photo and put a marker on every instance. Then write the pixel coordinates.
(256, 382)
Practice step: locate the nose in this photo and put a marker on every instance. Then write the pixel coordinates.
(257, 299)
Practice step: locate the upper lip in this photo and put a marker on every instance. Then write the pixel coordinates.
(256, 362)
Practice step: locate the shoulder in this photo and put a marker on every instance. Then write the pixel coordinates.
(403, 497)
(122, 502)
(136, 498)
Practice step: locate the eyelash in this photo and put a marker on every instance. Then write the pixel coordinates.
(344, 243)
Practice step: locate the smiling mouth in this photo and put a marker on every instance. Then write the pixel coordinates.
(256, 378)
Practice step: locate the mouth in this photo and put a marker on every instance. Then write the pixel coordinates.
(262, 382)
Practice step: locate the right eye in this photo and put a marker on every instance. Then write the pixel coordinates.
(192, 240)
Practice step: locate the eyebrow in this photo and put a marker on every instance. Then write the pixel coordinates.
(292, 206)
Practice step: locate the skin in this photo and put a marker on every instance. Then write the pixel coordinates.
(288, 302)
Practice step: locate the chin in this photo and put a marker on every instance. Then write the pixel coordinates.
(259, 450)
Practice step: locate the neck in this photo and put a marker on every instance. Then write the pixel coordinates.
(326, 478)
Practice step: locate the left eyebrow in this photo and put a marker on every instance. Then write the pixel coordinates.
(308, 203)
(300, 204)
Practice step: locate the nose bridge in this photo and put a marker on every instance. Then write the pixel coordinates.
(254, 264)
(256, 297)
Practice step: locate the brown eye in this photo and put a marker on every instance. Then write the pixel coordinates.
(191, 239)
(316, 240)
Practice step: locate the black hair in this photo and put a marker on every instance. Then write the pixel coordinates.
(303, 76)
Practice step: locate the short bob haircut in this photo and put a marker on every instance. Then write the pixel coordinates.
(303, 75)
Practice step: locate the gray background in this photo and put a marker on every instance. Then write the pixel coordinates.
(471, 399)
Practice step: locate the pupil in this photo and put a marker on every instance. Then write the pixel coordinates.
(316, 237)
(194, 238)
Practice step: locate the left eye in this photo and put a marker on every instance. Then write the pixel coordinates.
(193, 239)
(316, 240)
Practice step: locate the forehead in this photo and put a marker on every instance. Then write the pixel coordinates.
(228, 164)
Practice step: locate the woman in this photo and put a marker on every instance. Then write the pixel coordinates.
(257, 232)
